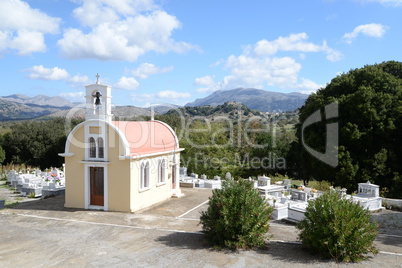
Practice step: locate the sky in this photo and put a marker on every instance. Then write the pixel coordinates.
(175, 51)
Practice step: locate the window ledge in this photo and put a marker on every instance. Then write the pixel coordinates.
(161, 183)
(144, 189)
(94, 162)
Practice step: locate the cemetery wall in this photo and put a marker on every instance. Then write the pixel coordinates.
(394, 203)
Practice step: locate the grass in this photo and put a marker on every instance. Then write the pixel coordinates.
(5, 186)
(11, 204)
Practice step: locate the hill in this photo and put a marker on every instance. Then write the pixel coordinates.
(228, 110)
(40, 100)
(265, 101)
(22, 107)
(10, 110)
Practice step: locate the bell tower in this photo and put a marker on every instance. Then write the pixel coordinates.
(98, 101)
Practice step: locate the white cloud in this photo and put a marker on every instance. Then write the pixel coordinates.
(147, 69)
(170, 94)
(217, 63)
(22, 28)
(41, 73)
(258, 66)
(211, 88)
(204, 81)
(127, 83)
(334, 55)
(372, 30)
(27, 42)
(79, 79)
(93, 12)
(293, 42)
(391, 3)
(73, 96)
(307, 86)
(119, 31)
(255, 71)
(165, 96)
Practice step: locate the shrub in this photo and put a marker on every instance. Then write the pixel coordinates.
(320, 185)
(237, 217)
(337, 228)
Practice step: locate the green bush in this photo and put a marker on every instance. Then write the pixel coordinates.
(337, 228)
(320, 185)
(237, 217)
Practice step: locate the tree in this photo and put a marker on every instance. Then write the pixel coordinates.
(370, 127)
(2, 155)
(36, 143)
(237, 217)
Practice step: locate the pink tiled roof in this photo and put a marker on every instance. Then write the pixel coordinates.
(146, 137)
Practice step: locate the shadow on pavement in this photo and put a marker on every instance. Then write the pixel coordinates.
(52, 203)
(389, 240)
(290, 253)
(184, 240)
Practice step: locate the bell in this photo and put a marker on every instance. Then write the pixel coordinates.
(97, 95)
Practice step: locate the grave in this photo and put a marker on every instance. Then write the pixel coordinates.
(53, 182)
(267, 189)
(368, 195)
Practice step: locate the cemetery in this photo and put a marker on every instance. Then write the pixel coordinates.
(38, 183)
(289, 203)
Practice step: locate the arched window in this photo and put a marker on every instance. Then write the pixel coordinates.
(92, 147)
(100, 148)
(161, 171)
(144, 180)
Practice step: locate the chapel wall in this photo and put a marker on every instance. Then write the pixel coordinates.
(74, 170)
(118, 176)
(156, 193)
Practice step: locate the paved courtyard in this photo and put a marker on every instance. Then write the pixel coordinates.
(42, 233)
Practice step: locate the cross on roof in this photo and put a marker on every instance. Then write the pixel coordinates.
(97, 78)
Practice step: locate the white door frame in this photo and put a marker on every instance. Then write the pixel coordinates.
(87, 188)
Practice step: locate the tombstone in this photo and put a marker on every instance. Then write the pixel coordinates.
(287, 183)
(342, 192)
(11, 175)
(204, 177)
(217, 178)
(2, 204)
(264, 181)
(299, 195)
(369, 189)
(228, 176)
(183, 171)
(194, 175)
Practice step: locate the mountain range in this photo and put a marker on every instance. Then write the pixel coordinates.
(20, 107)
(256, 99)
